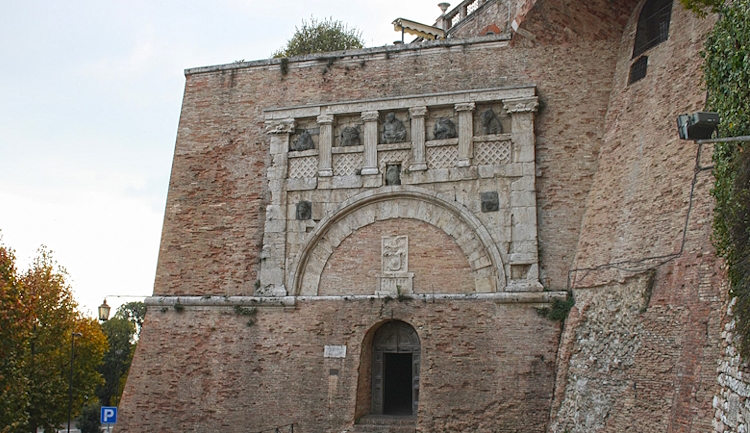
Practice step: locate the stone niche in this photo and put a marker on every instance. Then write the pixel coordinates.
(434, 157)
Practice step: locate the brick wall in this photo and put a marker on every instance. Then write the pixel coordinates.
(213, 222)
(486, 367)
(438, 264)
(637, 222)
(613, 188)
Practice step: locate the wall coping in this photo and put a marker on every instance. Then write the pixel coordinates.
(355, 55)
(290, 301)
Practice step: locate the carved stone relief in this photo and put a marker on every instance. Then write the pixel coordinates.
(444, 128)
(350, 136)
(393, 174)
(303, 142)
(394, 130)
(491, 123)
(395, 278)
(304, 210)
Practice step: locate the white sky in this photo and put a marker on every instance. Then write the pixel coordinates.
(90, 96)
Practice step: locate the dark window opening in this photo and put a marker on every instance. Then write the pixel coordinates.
(653, 25)
(397, 384)
(638, 69)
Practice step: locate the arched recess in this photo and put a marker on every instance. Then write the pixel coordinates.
(399, 202)
(392, 362)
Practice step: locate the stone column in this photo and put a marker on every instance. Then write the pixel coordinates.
(465, 133)
(418, 162)
(325, 143)
(370, 165)
(525, 251)
(274, 234)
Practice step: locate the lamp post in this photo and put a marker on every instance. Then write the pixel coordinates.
(104, 311)
(73, 336)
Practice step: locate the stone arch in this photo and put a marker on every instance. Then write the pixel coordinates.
(399, 202)
(397, 339)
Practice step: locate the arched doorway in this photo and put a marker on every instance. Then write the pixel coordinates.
(395, 369)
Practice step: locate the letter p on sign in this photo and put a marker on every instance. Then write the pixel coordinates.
(108, 415)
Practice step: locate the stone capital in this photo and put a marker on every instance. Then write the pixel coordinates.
(370, 116)
(283, 126)
(418, 111)
(465, 106)
(521, 105)
(325, 119)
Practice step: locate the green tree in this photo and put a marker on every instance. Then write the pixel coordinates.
(727, 74)
(320, 37)
(114, 368)
(134, 312)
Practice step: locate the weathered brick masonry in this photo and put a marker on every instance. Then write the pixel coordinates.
(594, 193)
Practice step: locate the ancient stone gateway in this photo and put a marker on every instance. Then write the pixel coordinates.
(372, 234)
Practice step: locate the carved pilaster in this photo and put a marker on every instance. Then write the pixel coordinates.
(521, 112)
(417, 139)
(370, 165)
(325, 144)
(465, 133)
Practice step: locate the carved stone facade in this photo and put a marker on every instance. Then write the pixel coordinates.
(501, 248)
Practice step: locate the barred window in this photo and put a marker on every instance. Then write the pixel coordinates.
(653, 25)
(638, 69)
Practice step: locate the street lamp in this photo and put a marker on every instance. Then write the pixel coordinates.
(104, 311)
(73, 336)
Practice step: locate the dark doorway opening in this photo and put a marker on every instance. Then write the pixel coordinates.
(397, 389)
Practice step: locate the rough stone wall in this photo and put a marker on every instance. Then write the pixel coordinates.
(649, 210)
(732, 402)
(486, 367)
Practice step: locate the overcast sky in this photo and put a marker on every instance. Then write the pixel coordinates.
(90, 96)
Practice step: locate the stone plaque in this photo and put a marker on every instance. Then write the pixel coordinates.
(334, 352)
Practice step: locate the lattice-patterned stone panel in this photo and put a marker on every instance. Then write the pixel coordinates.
(442, 156)
(394, 156)
(347, 164)
(306, 166)
(492, 152)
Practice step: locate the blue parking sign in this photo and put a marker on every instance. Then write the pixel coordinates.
(108, 415)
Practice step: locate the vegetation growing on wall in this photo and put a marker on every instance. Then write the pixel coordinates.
(727, 74)
(702, 7)
(321, 37)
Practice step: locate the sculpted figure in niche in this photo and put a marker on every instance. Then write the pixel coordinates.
(304, 142)
(444, 128)
(393, 174)
(491, 123)
(393, 130)
(350, 136)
